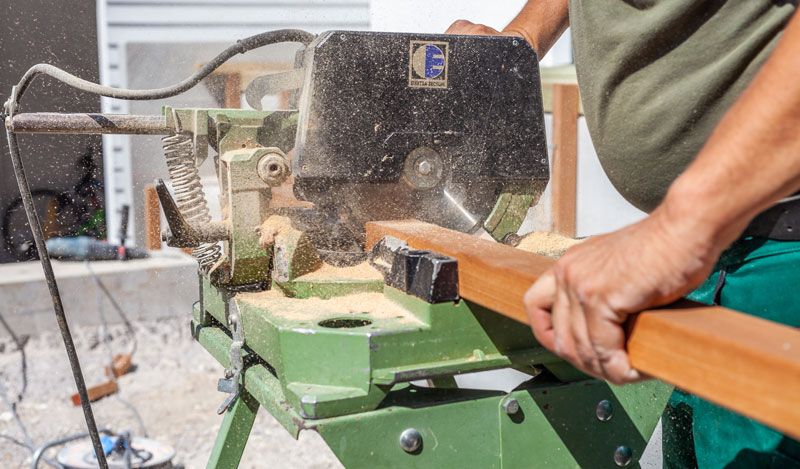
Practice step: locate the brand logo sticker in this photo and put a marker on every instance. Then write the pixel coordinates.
(427, 64)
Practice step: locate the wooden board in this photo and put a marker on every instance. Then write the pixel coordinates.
(741, 362)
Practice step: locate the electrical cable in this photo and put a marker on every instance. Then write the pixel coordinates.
(106, 338)
(23, 358)
(58, 306)
(122, 315)
(11, 107)
(241, 46)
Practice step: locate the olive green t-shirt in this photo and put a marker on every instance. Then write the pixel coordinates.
(656, 76)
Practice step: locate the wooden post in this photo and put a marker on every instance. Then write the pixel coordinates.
(566, 100)
(233, 90)
(747, 364)
(152, 219)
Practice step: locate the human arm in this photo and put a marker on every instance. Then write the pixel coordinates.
(751, 160)
(540, 22)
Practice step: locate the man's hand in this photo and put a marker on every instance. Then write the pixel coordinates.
(475, 29)
(579, 307)
(540, 23)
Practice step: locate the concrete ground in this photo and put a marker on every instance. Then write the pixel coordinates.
(173, 389)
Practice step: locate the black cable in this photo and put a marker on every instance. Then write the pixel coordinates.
(50, 278)
(11, 107)
(241, 46)
(125, 320)
(23, 358)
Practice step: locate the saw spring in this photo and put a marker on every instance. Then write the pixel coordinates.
(189, 196)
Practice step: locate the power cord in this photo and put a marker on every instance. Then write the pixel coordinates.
(12, 106)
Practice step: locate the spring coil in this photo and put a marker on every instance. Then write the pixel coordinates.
(189, 196)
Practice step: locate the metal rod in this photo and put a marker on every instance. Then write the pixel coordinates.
(52, 285)
(84, 123)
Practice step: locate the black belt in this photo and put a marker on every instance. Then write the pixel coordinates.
(781, 222)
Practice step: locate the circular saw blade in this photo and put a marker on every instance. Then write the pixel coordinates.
(462, 206)
(344, 208)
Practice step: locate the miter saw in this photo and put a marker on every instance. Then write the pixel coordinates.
(362, 343)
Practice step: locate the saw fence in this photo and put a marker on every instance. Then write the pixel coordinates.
(747, 364)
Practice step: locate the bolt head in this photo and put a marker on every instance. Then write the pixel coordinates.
(273, 169)
(424, 167)
(623, 456)
(511, 406)
(411, 440)
(604, 410)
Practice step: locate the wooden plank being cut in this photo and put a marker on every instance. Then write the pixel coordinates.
(741, 362)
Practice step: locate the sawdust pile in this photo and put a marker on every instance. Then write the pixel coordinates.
(372, 305)
(362, 271)
(548, 244)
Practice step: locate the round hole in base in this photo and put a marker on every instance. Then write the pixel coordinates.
(344, 323)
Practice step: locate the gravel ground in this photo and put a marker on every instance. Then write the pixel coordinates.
(173, 388)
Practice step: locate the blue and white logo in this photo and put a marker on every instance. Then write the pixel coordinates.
(428, 64)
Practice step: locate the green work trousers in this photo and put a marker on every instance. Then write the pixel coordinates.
(759, 277)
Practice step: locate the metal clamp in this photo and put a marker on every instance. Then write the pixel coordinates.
(232, 382)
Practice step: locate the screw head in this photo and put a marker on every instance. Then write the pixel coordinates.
(511, 406)
(424, 167)
(623, 456)
(411, 440)
(604, 410)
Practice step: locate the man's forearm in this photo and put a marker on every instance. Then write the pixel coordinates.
(753, 157)
(541, 23)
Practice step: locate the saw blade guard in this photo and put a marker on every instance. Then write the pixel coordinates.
(439, 128)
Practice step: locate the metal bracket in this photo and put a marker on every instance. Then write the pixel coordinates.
(182, 233)
(231, 384)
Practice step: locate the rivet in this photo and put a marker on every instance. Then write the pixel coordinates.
(411, 440)
(622, 456)
(515, 42)
(604, 410)
(510, 406)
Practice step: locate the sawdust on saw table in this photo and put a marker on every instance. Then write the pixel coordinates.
(548, 244)
(372, 305)
(362, 271)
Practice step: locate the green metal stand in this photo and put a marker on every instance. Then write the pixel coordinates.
(233, 435)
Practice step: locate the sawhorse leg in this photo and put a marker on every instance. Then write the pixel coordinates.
(234, 432)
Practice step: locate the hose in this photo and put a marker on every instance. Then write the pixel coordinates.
(11, 107)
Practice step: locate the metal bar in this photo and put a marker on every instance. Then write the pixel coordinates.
(234, 433)
(85, 123)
